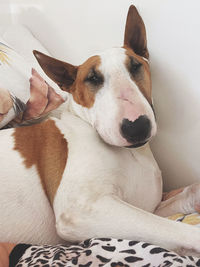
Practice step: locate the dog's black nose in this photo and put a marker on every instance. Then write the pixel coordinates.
(136, 132)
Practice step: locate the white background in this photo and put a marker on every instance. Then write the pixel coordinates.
(72, 30)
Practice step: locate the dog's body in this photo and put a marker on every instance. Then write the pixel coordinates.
(75, 178)
(100, 170)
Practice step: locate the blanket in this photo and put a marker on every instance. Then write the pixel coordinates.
(99, 252)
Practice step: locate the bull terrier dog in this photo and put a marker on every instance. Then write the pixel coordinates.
(91, 173)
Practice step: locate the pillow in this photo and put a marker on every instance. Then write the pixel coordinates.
(15, 73)
(23, 42)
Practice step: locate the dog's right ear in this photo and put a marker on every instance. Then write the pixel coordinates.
(62, 73)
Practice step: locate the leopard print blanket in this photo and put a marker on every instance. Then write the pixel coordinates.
(98, 252)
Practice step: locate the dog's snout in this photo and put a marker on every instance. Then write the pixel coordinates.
(136, 132)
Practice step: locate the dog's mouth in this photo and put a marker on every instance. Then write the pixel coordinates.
(137, 145)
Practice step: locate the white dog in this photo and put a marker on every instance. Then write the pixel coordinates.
(91, 173)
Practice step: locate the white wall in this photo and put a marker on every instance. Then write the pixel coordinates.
(5, 14)
(75, 29)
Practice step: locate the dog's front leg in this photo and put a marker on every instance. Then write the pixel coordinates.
(184, 200)
(112, 217)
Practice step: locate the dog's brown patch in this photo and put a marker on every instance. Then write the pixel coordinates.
(143, 79)
(44, 146)
(82, 92)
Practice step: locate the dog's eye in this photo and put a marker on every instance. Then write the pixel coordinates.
(94, 78)
(134, 66)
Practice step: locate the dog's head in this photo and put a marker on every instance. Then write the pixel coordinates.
(112, 90)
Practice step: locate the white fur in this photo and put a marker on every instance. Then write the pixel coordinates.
(146, 59)
(102, 193)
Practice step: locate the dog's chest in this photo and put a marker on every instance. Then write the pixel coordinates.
(132, 174)
(142, 182)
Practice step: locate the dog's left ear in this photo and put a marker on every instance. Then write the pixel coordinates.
(135, 33)
(62, 73)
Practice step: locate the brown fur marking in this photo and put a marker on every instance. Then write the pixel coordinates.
(81, 91)
(143, 80)
(44, 146)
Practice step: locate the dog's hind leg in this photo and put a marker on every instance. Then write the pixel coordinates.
(184, 200)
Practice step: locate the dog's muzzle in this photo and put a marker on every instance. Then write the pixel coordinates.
(136, 132)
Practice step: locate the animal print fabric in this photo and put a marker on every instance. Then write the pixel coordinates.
(104, 252)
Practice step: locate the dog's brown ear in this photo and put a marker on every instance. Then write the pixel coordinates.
(135, 33)
(62, 73)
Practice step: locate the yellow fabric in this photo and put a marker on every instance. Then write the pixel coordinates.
(193, 219)
(4, 59)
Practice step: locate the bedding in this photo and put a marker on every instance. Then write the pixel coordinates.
(104, 252)
(18, 107)
(100, 252)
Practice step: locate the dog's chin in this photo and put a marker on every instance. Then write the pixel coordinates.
(124, 143)
(137, 145)
(119, 141)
